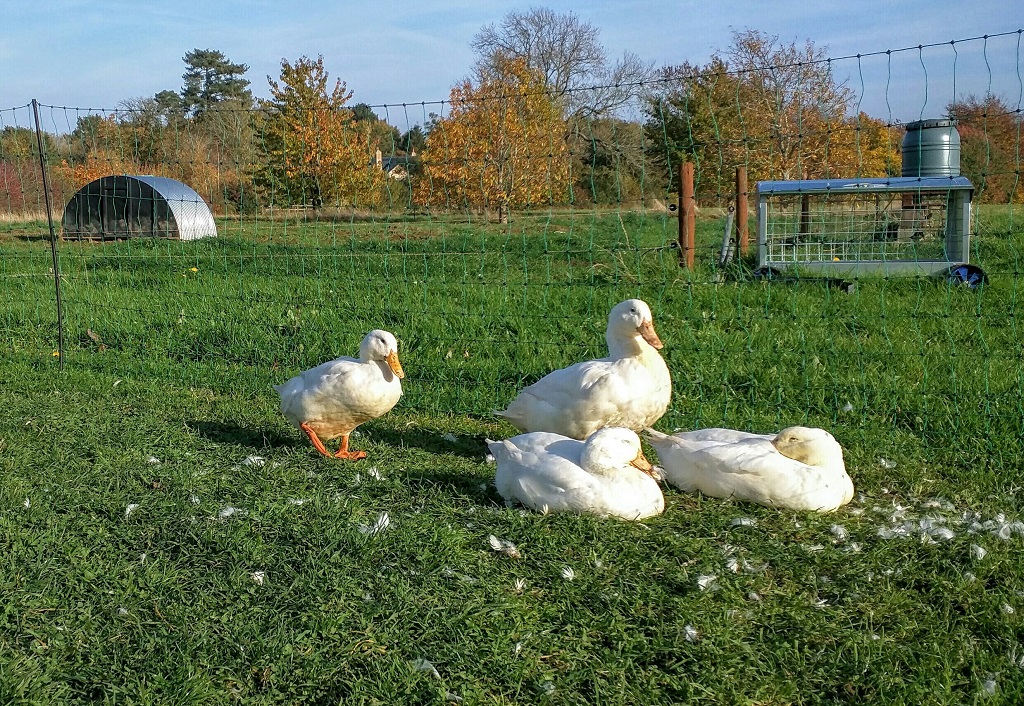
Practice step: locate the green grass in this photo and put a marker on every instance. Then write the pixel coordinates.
(920, 382)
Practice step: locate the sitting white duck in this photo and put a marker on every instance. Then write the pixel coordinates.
(799, 468)
(334, 398)
(630, 388)
(607, 475)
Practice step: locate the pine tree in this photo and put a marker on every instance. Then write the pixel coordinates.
(211, 79)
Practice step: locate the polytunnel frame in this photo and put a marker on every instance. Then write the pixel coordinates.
(127, 206)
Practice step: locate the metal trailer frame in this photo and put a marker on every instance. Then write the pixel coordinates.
(952, 194)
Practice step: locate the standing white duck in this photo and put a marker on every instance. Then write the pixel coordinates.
(630, 388)
(799, 468)
(605, 475)
(334, 398)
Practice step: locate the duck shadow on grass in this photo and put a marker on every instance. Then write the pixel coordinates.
(453, 475)
(478, 486)
(471, 447)
(252, 437)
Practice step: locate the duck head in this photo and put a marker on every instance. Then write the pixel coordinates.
(608, 451)
(630, 320)
(381, 345)
(815, 447)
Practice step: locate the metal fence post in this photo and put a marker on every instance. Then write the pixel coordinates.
(53, 236)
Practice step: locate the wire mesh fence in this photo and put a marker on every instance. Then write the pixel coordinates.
(493, 232)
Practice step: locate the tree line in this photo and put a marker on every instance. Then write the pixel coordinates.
(545, 117)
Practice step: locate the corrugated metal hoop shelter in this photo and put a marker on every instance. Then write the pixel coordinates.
(126, 206)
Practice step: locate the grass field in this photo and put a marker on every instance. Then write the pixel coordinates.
(166, 537)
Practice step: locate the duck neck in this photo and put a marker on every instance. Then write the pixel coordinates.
(627, 347)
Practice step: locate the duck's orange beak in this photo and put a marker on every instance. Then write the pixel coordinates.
(396, 367)
(646, 329)
(643, 464)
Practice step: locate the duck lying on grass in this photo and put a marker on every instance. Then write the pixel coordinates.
(606, 475)
(334, 398)
(799, 468)
(630, 388)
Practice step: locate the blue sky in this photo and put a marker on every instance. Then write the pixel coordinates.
(96, 53)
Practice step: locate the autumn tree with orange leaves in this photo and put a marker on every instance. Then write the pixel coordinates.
(990, 146)
(316, 152)
(775, 108)
(502, 145)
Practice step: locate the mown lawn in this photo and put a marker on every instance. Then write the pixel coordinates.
(166, 537)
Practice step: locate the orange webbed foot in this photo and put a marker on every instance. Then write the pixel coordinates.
(350, 455)
(344, 453)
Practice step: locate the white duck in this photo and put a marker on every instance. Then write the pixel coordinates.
(605, 475)
(630, 388)
(334, 398)
(799, 468)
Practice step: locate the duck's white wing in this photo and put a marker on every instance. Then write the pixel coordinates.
(717, 435)
(305, 394)
(749, 469)
(716, 467)
(541, 471)
(573, 401)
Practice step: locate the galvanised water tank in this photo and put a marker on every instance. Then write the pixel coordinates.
(931, 148)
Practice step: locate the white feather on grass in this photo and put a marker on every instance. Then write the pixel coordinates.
(705, 580)
(503, 546)
(424, 665)
(380, 525)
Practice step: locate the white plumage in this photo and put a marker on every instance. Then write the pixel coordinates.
(607, 475)
(799, 468)
(630, 388)
(334, 398)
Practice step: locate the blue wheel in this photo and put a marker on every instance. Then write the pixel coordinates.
(971, 276)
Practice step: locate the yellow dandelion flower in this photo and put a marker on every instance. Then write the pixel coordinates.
(56, 354)
(194, 269)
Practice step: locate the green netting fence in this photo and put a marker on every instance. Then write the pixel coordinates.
(493, 232)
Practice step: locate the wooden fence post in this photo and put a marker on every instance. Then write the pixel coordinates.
(805, 210)
(742, 237)
(687, 215)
